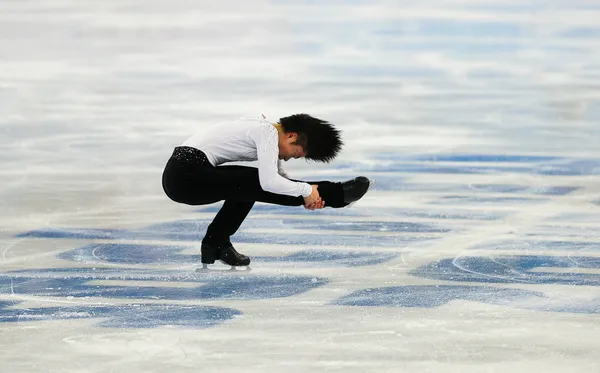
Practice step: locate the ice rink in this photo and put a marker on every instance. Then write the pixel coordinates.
(478, 250)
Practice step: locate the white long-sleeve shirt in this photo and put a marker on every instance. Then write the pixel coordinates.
(248, 139)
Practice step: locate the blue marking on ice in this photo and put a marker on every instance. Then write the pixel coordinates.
(75, 282)
(512, 269)
(131, 254)
(139, 316)
(7, 303)
(429, 296)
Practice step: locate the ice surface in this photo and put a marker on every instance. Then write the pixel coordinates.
(477, 250)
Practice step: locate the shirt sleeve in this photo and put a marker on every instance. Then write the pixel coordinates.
(280, 169)
(267, 151)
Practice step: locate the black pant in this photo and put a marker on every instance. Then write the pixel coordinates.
(189, 178)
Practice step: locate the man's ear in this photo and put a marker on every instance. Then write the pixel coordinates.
(292, 135)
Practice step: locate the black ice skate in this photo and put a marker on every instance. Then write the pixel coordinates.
(355, 189)
(226, 254)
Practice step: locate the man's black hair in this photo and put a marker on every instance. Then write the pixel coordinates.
(320, 139)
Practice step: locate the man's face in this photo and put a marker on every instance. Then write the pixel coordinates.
(288, 149)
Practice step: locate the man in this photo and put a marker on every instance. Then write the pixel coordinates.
(194, 174)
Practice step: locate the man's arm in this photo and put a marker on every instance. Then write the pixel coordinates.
(267, 151)
(280, 169)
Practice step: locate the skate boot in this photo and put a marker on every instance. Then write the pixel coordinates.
(229, 255)
(355, 189)
(226, 254)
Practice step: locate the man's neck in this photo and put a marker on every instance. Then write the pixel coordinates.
(279, 128)
(280, 131)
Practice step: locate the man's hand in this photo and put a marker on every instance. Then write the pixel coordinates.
(314, 201)
(316, 205)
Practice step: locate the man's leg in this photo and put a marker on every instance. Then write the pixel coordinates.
(227, 222)
(216, 244)
(242, 184)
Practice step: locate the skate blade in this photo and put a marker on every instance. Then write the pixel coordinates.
(371, 184)
(205, 268)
